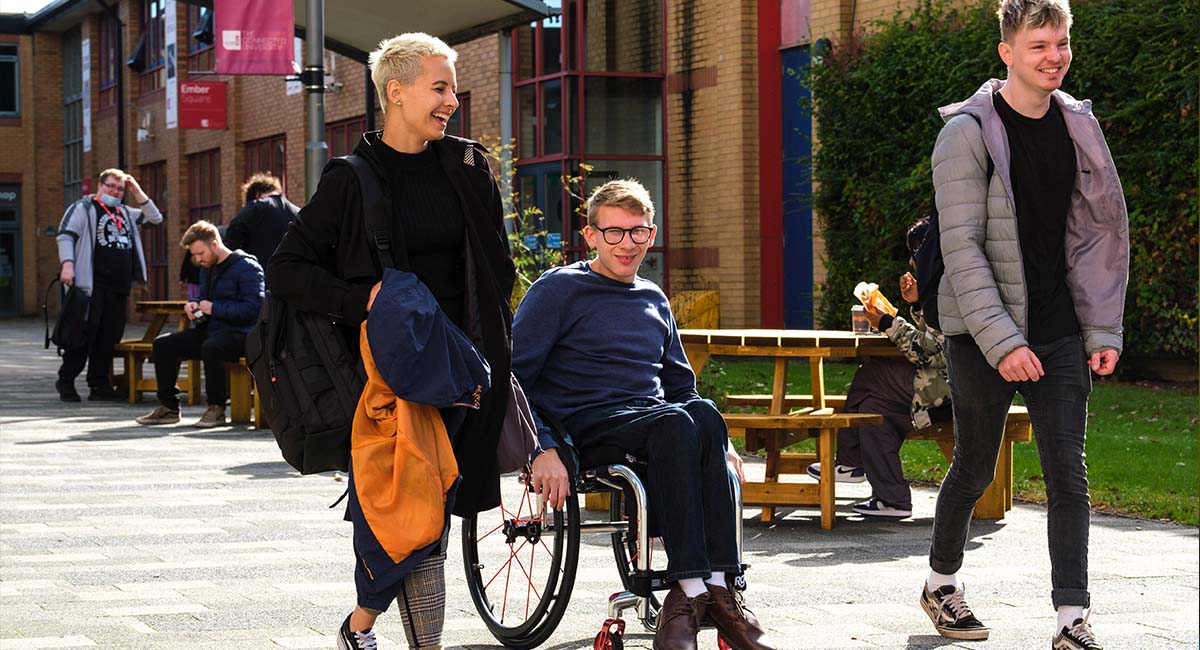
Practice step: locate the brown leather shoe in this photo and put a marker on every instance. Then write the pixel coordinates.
(679, 620)
(736, 624)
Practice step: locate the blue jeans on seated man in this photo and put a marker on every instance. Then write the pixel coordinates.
(688, 482)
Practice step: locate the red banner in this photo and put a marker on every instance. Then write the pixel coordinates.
(254, 37)
(202, 105)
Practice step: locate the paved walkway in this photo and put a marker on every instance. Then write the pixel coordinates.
(118, 536)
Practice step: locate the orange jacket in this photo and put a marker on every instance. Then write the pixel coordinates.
(403, 464)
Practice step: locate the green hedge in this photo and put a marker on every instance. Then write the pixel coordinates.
(875, 101)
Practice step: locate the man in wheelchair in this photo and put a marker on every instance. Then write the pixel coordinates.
(597, 350)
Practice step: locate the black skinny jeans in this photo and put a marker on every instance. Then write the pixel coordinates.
(1058, 411)
(688, 482)
(105, 326)
(213, 350)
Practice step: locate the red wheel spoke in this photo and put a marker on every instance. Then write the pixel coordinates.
(485, 536)
(507, 562)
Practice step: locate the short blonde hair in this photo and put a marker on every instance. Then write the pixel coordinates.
(119, 174)
(626, 193)
(401, 58)
(1016, 15)
(200, 231)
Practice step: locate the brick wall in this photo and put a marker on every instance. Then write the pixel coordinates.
(478, 72)
(17, 164)
(712, 131)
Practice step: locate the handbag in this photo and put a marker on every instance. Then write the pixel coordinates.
(518, 435)
(70, 326)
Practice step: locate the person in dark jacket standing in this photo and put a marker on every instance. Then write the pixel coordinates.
(100, 248)
(447, 227)
(231, 294)
(261, 224)
(1037, 265)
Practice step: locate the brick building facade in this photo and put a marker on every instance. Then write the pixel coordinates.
(672, 91)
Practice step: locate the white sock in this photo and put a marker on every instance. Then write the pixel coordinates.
(937, 580)
(1067, 615)
(717, 579)
(692, 587)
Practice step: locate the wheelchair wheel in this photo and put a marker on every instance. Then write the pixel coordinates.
(520, 567)
(625, 550)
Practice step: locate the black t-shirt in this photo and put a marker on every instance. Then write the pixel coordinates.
(431, 223)
(1043, 178)
(112, 263)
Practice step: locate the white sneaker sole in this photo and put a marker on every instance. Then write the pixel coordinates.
(841, 479)
(980, 634)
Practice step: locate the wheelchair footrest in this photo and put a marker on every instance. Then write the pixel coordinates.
(611, 636)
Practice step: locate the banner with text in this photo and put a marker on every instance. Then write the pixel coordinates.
(172, 94)
(254, 37)
(202, 105)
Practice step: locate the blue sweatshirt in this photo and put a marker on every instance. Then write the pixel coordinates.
(583, 341)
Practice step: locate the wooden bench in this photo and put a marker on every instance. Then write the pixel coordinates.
(243, 399)
(994, 503)
(774, 432)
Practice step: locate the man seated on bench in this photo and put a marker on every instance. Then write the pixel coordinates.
(231, 294)
(597, 350)
(909, 394)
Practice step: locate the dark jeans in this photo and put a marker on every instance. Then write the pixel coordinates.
(687, 482)
(105, 326)
(213, 351)
(1058, 411)
(883, 386)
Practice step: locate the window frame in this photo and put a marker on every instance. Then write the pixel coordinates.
(15, 59)
(153, 25)
(257, 148)
(202, 59)
(108, 60)
(153, 179)
(204, 189)
(351, 129)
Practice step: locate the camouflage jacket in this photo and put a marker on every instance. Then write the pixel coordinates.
(924, 347)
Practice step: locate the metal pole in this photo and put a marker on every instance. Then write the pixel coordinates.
(316, 151)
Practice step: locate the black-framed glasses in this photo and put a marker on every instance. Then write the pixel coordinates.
(637, 234)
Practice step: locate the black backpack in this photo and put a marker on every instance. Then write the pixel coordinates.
(307, 373)
(928, 258)
(70, 327)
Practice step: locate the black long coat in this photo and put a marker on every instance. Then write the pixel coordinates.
(326, 263)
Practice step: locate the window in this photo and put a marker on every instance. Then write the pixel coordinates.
(153, 179)
(72, 77)
(268, 155)
(343, 136)
(204, 187)
(108, 60)
(588, 87)
(154, 45)
(460, 122)
(201, 51)
(10, 81)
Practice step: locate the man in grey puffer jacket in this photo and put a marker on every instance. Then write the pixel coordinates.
(1037, 258)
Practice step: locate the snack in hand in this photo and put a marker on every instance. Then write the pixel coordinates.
(868, 293)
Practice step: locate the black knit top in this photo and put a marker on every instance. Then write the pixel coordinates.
(429, 220)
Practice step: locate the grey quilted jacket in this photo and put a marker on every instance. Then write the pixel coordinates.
(983, 292)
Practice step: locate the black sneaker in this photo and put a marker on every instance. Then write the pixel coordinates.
(104, 394)
(348, 640)
(950, 614)
(66, 391)
(1077, 637)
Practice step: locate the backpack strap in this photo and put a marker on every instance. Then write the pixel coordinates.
(376, 218)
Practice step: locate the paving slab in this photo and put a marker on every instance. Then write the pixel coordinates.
(124, 537)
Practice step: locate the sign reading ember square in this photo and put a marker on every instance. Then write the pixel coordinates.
(202, 105)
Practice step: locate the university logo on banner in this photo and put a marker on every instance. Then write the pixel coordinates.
(202, 105)
(254, 37)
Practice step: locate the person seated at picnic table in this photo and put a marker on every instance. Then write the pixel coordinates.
(910, 394)
(598, 351)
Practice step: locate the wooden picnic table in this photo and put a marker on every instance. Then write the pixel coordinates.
(783, 425)
(137, 351)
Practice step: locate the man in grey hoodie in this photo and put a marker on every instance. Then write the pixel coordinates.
(1037, 259)
(100, 248)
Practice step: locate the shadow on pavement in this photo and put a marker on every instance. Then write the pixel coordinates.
(106, 435)
(263, 470)
(919, 641)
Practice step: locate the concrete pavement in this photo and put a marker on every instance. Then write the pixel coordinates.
(118, 536)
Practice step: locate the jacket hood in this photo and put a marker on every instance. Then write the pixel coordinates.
(980, 103)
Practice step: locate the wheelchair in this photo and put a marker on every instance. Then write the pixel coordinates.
(521, 558)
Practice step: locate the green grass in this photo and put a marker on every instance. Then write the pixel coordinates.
(1142, 440)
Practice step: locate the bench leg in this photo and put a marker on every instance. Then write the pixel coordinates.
(193, 391)
(239, 393)
(133, 375)
(826, 441)
(993, 504)
(772, 472)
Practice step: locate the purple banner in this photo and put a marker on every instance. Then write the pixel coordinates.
(254, 37)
